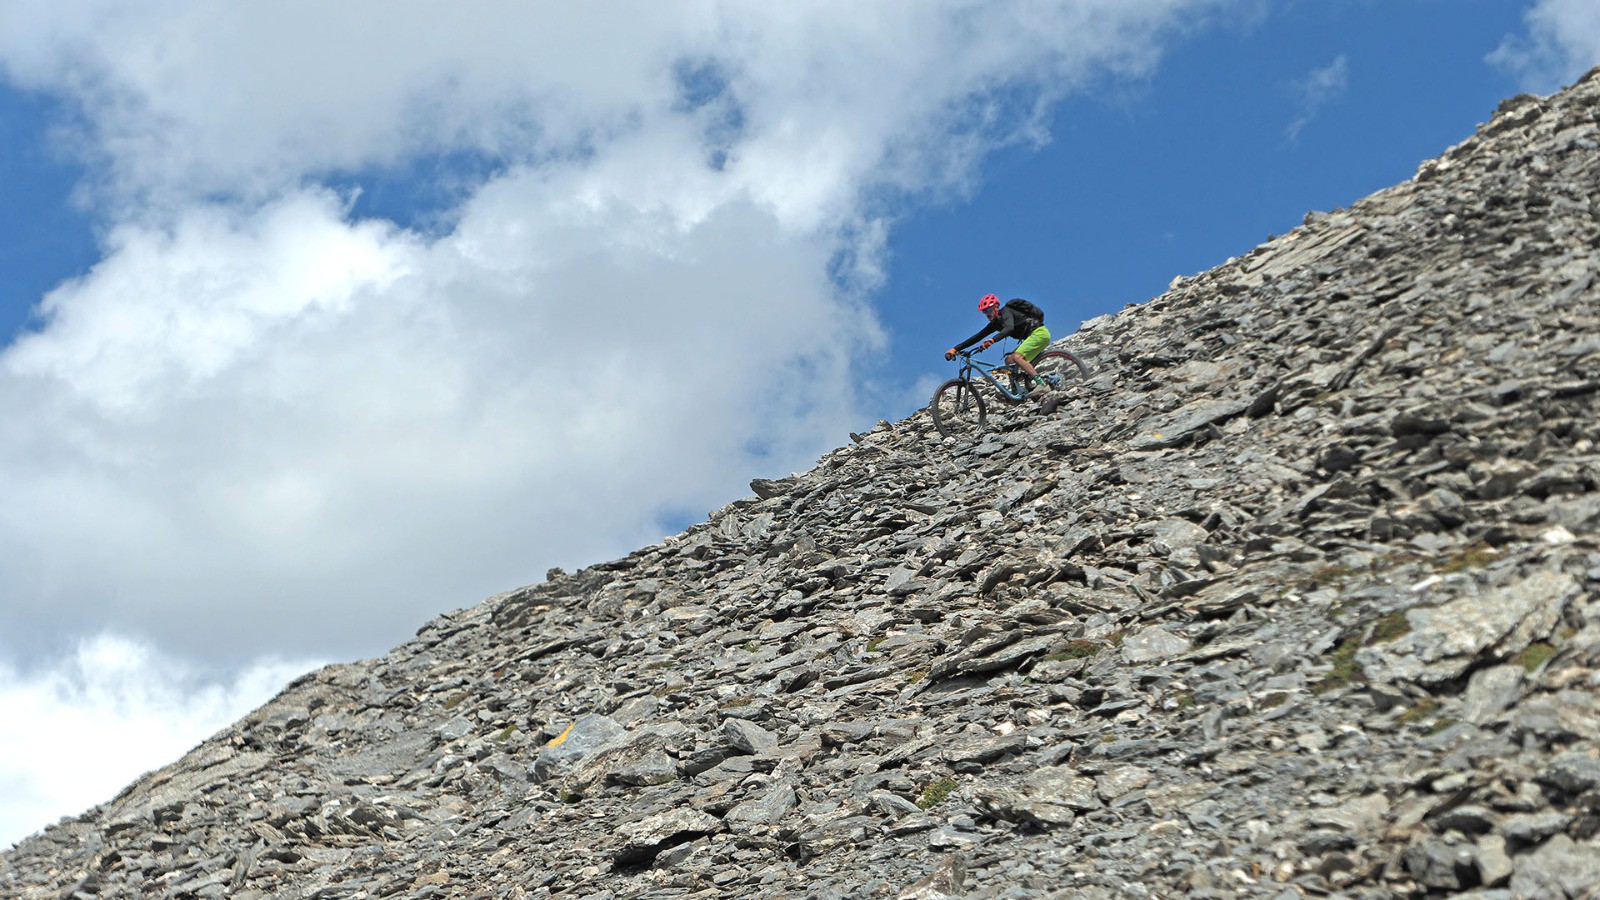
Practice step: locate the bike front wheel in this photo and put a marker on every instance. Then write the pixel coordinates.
(958, 410)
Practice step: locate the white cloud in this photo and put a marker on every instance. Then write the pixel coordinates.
(1562, 42)
(191, 98)
(263, 425)
(248, 97)
(402, 425)
(1317, 90)
(73, 735)
(209, 291)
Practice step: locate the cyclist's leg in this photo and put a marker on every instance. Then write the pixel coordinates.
(1030, 349)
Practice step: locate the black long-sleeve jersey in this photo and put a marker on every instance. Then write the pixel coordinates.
(1009, 324)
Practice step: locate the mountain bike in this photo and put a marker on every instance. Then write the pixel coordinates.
(958, 406)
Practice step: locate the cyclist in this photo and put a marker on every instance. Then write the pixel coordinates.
(1017, 319)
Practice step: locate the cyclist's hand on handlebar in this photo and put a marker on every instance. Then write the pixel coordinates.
(987, 344)
(950, 354)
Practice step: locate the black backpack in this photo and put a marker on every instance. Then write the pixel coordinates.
(1027, 311)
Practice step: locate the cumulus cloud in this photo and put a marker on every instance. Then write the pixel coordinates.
(111, 694)
(1318, 89)
(263, 424)
(194, 98)
(305, 408)
(1562, 42)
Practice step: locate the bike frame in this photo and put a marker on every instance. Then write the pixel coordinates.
(969, 364)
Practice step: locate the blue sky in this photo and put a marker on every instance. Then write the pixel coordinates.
(1174, 175)
(308, 338)
(44, 236)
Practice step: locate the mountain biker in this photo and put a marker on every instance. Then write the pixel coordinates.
(1018, 319)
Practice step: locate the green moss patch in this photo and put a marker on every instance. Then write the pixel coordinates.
(1330, 576)
(1474, 557)
(935, 793)
(1390, 627)
(1345, 669)
(1536, 655)
(1419, 712)
(1079, 648)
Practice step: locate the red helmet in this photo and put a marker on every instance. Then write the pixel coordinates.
(988, 302)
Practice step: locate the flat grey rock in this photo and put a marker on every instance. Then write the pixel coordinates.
(1173, 429)
(1446, 640)
(1153, 643)
(587, 736)
(748, 737)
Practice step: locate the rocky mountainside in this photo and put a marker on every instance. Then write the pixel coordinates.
(1297, 595)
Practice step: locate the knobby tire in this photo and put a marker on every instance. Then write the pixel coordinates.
(1063, 364)
(958, 409)
(1051, 362)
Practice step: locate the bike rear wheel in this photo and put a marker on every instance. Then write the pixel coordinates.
(958, 409)
(1061, 367)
